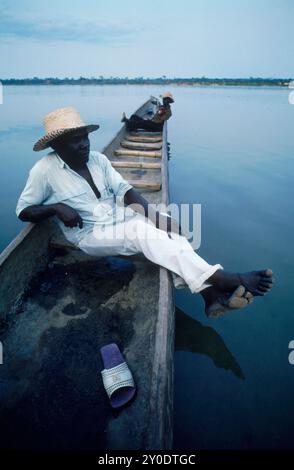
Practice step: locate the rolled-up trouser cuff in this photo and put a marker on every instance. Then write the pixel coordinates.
(180, 283)
(198, 284)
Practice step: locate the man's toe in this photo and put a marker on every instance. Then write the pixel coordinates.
(237, 299)
(259, 292)
(267, 284)
(266, 273)
(239, 292)
(249, 297)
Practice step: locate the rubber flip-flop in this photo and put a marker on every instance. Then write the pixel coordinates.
(117, 377)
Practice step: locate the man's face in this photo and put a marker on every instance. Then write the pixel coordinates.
(167, 101)
(73, 148)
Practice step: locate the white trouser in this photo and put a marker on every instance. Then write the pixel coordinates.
(139, 235)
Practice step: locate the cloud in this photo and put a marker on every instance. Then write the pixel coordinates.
(66, 29)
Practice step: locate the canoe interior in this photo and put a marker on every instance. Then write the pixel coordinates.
(58, 307)
(140, 175)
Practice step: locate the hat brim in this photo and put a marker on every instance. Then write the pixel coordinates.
(44, 142)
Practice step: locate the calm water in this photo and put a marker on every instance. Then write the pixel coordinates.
(232, 151)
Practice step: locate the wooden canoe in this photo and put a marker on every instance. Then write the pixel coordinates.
(59, 306)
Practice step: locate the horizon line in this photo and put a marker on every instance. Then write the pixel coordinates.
(162, 78)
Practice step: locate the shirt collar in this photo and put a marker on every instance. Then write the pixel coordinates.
(60, 162)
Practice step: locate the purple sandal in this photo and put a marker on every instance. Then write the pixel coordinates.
(117, 377)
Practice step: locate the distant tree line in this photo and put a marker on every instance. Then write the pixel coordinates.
(251, 81)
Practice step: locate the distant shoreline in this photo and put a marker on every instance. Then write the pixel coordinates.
(203, 81)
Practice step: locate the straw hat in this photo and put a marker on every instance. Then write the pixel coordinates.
(59, 122)
(168, 94)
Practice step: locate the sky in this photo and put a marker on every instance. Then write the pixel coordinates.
(151, 38)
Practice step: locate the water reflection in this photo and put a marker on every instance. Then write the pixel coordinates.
(194, 337)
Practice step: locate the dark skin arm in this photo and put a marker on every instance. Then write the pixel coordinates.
(141, 205)
(71, 218)
(65, 213)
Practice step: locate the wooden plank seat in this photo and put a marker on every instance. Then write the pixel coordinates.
(146, 133)
(141, 184)
(134, 138)
(132, 164)
(137, 153)
(140, 145)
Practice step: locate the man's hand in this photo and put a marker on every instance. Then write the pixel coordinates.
(69, 216)
(168, 224)
(161, 221)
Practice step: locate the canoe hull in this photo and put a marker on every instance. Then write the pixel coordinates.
(60, 307)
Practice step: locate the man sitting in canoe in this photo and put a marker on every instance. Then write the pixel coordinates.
(155, 124)
(88, 198)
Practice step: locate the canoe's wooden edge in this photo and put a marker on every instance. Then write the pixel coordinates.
(18, 262)
(4, 255)
(160, 429)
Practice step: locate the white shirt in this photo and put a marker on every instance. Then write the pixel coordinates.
(51, 181)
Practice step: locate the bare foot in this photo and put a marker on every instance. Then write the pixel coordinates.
(256, 282)
(219, 302)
